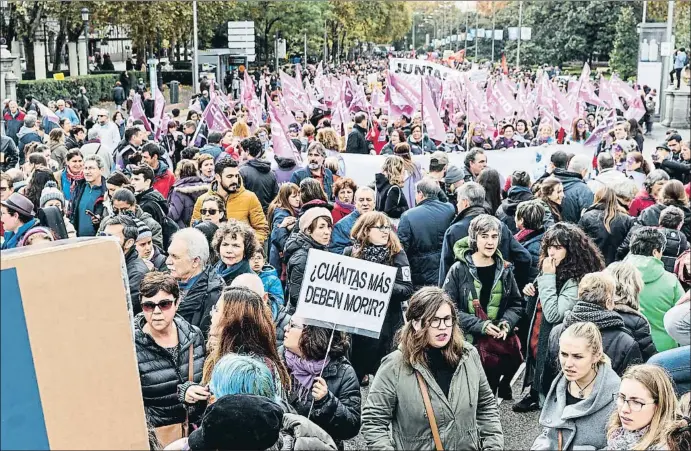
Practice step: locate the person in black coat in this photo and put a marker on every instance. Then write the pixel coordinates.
(257, 175)
(519, 192)
(357, 139)
(671, 194)
(119, 95)
(607, 222)
(530, 222)
(595, 305)
(628, 286)
(375, 241)
(471, 203)
(421, 232)
(335, 392)
(163, 343)
(390, 199)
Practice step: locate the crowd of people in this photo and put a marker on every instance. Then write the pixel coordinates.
(582, 274)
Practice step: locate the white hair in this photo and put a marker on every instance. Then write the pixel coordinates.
(579, 163)
(197, 245)
(250, 281)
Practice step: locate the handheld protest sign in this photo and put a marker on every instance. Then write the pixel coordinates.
(345, 293)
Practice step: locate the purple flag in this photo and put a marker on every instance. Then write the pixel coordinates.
(295, 97)
(430, 116)
(506, 105)
(47, 113)
(282, 144)
(214, 117)
(159, 108)
(602, 129)
(137, 112)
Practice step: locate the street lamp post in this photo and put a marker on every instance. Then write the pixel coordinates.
(5, 10)
(44, 19)
(520, 24)
(85, 19)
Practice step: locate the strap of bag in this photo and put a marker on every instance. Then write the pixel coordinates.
(430, 412)
(190, 378)
(560, 440)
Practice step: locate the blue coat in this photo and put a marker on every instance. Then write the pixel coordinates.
(304, 173)
(340, 237)
(273, 287)
(278, 238)
(532, 244)
(511, 250)
(421, 232)
(577, 195)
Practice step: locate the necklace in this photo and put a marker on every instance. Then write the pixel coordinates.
(582, 389)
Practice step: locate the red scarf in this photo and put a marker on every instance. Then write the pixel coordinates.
(522, 234)
(73, 178)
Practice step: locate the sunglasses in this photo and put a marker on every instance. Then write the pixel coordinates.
(164, 305)
(209, 211)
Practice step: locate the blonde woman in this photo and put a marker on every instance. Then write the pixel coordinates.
(545, 135)
(678, 432)
(241, 130)
(390, 199)
(646, 405)
(582, 397)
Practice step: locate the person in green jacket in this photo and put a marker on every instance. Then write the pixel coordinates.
(661, 289)
(432, 356)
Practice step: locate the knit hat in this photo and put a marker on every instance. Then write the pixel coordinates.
(239, 422)
(143, 230)
(37, 231)
(453, 174)
(51, 192)
(310, 215)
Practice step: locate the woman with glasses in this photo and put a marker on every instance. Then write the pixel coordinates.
(646, 406)
(234, 243)
(163, 342)
(432, 358)
(326, 384)
(375, 241)
(213, 210)
(579, 132)
(582, 397)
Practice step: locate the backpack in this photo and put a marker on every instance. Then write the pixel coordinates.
(168, 227)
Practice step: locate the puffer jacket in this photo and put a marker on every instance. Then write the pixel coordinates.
(651, 217)
(153, 203)
(581, 424)
(136, 270)
(298, 434)
(577, 195)
(327, 179)
(242, 205)
(394, 415)
(642, 201)
(421, 232)
(258, 177)
(195, 305)
(9, 155)
(593, 224)
(161, 377)
(281, 321)
(676, 245)
(338, 413)
(295, 256)
(533, 243)
(639, 327)
(463, 285)
(506, 212)
(617, 341)
(183, 195)
(340, 237)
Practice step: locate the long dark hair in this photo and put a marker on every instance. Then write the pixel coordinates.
(314, 342)
(39, 178)
(582, 256)
(607, 198)
(547, 187)
(490, 181)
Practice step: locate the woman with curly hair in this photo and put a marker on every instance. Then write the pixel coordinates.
(344, 193)
(326, 384)
(390, 198)
(37, 182)
(566, 255)
(234, 242)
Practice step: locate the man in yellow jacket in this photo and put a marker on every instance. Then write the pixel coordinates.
(241, 204)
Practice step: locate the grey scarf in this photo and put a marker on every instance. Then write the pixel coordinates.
(587, 312)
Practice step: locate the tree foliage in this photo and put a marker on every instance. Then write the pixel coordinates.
(625, 52)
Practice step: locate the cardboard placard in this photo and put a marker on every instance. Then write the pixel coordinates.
(69, 370)
(349, 293)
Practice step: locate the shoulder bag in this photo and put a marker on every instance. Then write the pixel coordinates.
(430, 412)
(168, 434)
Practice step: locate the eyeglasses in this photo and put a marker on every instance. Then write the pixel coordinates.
(635, 406)
(164, 305)
(208, 211)
(383, 228)
(436, 322)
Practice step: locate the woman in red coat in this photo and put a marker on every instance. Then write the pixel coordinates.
(344, 192)
(654, 182)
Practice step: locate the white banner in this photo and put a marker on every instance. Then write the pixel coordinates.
(418, 68)
(480, 32)
(347, 293)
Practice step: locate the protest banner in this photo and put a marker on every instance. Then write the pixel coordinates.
(345, 293)
(419, 68)
(69, 373)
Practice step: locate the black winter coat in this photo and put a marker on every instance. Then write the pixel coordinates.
(136, 270)
(651, 217)
(639, 327)
(9, 155)
(295, 256)
(506, 212)
(677, 170)
(154, 203)
(390, 199)
(161, 377)
(258, 177)
(617, 341)
(592, 223)
(532, 243)
(676, 245)
(195, 306)
(357, 141)
(338, 413)
(421, 232)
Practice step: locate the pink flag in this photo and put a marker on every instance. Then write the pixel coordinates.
(430, 115)
(375, 99)
(402, 95)
(608, 96)
(294, 95)
(47, 112)
(159, 107)
(196, 106)
(214, 117)
(602, 129)
(248, 91)
(282, 144)
(137, 112)
(545, 95)
(478, 110)
(313, 97)
(636, 109)
(435, 88)
(563, 109)
(526, 102)
(548, 118)
(506, 105)
(586, 91)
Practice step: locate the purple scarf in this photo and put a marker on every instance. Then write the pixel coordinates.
(304, 371)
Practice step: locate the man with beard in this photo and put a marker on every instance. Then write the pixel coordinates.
(316, 154)
(241, 204)
(125, 230)
(340, 237)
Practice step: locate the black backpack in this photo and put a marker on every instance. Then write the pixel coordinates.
(168, 226)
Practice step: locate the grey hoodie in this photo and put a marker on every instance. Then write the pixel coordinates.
(583, 425)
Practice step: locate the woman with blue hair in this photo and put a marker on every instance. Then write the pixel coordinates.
(242, 374)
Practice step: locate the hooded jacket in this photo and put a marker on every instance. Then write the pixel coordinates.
(298, 434)
(463, 286)
(642, 201)
(593, 224)
(509, 248)
(183, 195)
(163, 179)
(651, 217)
(577, 195)
(660, 292)
(24, 137)
(242, 205)
(582, 424)
(258, 177)
(389, 198)
(284, 169)
(195, 305)
(152, 202)
(9, 155)
(161, 376)
(421, 232)
(506, 212)
(468, 419)
(155, 227)
(295, 256)
(532, 243)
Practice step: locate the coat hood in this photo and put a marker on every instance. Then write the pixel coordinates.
(516, 195)
(25, 131)
(262, 166)
(381, 182)
(191, 185)
(462, 252)
(300, 241)
(650, 267)
(568, 178)
(285, 164)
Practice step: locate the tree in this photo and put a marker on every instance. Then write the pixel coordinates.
(625, 52)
